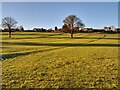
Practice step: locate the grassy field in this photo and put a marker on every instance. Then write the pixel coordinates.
(54, 60)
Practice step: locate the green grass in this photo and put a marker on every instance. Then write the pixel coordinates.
(54, 60)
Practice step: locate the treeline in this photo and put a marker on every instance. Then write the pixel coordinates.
(65, 29)
(72, 24)
(9, 25)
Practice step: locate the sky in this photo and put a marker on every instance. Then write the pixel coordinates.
(50, 14)
(60, 0)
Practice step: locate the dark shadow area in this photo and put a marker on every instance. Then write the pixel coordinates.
(42, 34)
(65, 38)
(28, 37)
(8, 56)
(60, 44)
(33, 34)
(96, 38)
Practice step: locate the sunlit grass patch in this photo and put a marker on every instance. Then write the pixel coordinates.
(57, 61)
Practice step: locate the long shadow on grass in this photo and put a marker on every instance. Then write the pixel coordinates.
(33, 36)
(36, 34)
(54, 37)
(86, 36)
(13, 55)
(62, 44)
(96, 38)
(79, 37)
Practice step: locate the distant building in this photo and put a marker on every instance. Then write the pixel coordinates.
(112, 28)
(50, 30)
(88, 29)
(39, 30)
(107, 28)
(12, 30)
(98, 30)
(117, 30)
(85, 29)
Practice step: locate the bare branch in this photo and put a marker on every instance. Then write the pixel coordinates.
(73, 20)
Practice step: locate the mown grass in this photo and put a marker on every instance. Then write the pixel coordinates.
(54, 60)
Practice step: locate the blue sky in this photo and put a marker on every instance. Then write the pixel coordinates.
(60, 0)
(51, 14)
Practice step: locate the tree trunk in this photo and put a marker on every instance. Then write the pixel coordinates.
(72, 31)
(71, 35)
(9, 32)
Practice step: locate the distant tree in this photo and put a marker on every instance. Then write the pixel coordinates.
(8, 23)
(39, 30)
(21, 28)
(56, 28)
(43, 30)
(50, 30)
(72, 21)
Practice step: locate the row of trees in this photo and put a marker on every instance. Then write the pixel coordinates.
(65, 29)
(70, 24)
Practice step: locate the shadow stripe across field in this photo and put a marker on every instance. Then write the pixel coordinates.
(61, 44)
(13, 55)
(89, 43)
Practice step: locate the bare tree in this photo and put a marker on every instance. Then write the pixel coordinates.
(72, 21)
(8, 23)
